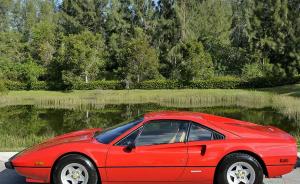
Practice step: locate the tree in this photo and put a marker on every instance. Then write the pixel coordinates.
(78, 15)
(43, 42)
(11, 46)
(211, 20)
(31, 72)
(144, 12)
(82, 55)
(118, 32)
(242, 12)
(5, 7)
(140, 61)
(167, 33)
(29, 18)
(273, 36)
(190, 61)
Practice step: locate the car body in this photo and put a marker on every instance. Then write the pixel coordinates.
(205, 140)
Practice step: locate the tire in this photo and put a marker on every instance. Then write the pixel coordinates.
(74, 169)
(234, 166)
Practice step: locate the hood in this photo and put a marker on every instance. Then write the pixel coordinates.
(246, 129)
(78, 136)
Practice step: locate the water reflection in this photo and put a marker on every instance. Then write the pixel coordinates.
(22, 126)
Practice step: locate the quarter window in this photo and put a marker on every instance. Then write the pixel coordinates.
(163, 132)
(199, 133)
(130, 138)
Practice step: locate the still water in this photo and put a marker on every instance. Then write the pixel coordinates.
(23, 126)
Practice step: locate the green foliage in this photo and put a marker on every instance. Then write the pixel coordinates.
(159, 84)
(81, 56)
(211, 20)
(69, 80)
(79, 15)
(190, 62)
(99, 85)
(3, 88)
(73, 41)
(273, 34)
(43, 41)
(140, 61)
(15, 85)
(251, 71)
(11, 47)
(39, 85)
(31, 72)
(265, 82)
(217, 83)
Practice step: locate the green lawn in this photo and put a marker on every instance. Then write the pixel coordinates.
(289, 90)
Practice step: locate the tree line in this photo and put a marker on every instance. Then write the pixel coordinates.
(68, 41)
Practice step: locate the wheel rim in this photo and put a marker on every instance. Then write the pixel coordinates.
(241, 173)
(74, 174)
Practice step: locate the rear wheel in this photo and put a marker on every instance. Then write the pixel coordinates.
(239, 168)
(75, 169)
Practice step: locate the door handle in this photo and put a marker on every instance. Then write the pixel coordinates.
(203, 150)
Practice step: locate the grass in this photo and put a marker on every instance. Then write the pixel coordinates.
(288, 90)
(177, 98)
(283, 99)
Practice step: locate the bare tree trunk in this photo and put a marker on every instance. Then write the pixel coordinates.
(86, 78)
(87, 114)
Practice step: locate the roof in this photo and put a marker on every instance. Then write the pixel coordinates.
(172, 114)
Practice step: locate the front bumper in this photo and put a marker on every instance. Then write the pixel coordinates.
(298, 163)
(9, 165)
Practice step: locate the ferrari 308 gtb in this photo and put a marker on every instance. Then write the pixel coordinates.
(162, 147)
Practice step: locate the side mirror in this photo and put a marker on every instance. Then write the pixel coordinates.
(129, 147)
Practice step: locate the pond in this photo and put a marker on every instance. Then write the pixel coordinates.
(24, 125)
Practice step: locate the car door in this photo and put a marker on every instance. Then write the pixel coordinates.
(160, 153)
(204, 146)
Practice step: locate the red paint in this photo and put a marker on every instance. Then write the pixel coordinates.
(180, 162)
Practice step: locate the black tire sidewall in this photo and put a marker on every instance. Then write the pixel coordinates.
(232, 159)
(69, 159)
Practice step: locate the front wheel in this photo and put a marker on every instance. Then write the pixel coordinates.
(75, 169)
(240, 168)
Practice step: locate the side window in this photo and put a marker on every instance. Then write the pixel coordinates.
(129, 139)
(163, 132)
(198, 133)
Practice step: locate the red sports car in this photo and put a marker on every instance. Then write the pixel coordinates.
(162, 147)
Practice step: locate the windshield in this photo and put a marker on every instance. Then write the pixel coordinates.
(108, 135)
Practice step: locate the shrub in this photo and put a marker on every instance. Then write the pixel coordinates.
(98, 85)
(265, 82)
(15, 85)
(217, 83)
(69, 80)
(226, 82)
(252, 71)
(3, 88)
(158, 84)
(39, 85)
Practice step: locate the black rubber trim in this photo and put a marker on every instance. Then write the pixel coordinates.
(9, 165)
(298, 163)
